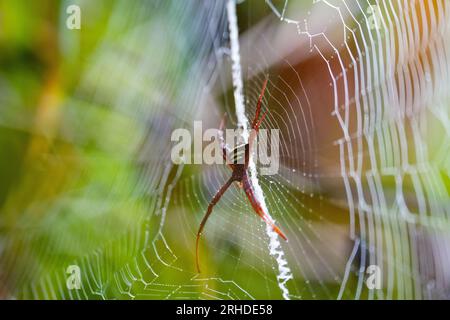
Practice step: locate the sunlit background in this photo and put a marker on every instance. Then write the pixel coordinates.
(358, 89)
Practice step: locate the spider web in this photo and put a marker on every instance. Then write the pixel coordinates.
(359, 92)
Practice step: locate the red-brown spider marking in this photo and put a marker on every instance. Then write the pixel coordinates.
(240, 175)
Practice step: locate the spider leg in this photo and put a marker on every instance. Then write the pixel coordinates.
(255, 124)
(258, 105)
(256, 127)
(251, 140)
(258, 209)
(211, 205)
(222, 143)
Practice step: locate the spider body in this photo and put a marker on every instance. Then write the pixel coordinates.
(238, 154)
(238, 162)
(239, 165)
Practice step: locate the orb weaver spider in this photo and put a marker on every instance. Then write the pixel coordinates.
(240, 175)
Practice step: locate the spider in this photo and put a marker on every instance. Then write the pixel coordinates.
(240, 175)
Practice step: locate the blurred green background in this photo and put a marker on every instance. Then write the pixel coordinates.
(85, 173)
